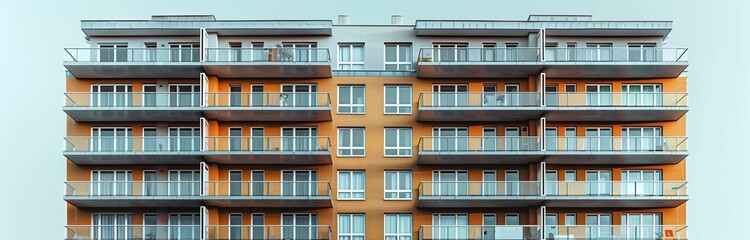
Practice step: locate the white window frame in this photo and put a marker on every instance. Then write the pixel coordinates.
(398, 146)
(351, 63)
(351, 235)
(351, 142)
(398, 62)
(398, 99)
(351, 190)
(397, 191)
(397, 235)
(351, 99)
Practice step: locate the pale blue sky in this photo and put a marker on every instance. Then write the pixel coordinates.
(33, 34)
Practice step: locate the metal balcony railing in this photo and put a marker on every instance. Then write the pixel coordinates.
(617, 144)
(475, 99)
(284, 55)
(127, 54)
(129, 231)
(479, 188)
(617, 188)
(452, 232)
(132, 188)
(637, 232)
(487, 55)
(267, 99)
(132, 144)
(269, 232)
(616, 54)
(269, 188)
(132, 99)
(479, 144)
(297, 145)
(616, 99)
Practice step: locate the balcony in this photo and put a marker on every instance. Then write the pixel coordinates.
(453, 232)
(615, 150)
(268, 194)
(615, 62)
(127, 231)
(268, 62)
(133, 62)
(269, 107)
(479, 194)
(620, 106)
(479, 150)
(269, 150)
(520, 62)
(615, 194)
(133, 106)
(269, 232)
(637, 232)
(479, 107)
(133, 193)
(133, 150)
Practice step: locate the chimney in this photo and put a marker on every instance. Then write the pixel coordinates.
(397, 19)
(343, 19)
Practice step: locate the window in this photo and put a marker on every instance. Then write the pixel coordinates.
(235, 226)
(113, 52)
(111, 95)
(184, 226)
(351, 185)
(111, 183)
(184, 183)
(398, 185)
(351, 226)
(351, 56)
(398, 56)
(397, 226)
(351, 99)
(235, 183)
(117, 139)
(398, 142)
(299, 183)
(351, 142)
(112, 226)
(398, 99)
(184, 95)
(298, 226)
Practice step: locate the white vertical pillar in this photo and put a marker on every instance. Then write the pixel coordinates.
(543, 222)
(204, 89)
(542, 178)
(542, 89)
(542, 38)
(203, 42)
(204, 223)
(204, 134)
(543, 133)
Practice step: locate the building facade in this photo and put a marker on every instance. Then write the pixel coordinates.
(554, 127)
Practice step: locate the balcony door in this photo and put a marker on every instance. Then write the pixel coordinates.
(450, 139)
(599, 183)
(115, 139)
(184, 95)
(512, 96)
(450, 52)
(642, 139)
(450, 226)
(490, 96)
(299, 226)
(256, 139)
(235, 139)
(111, 183)
(489, 183)
(184, 52)
(299, 52)
(512, 139)
(642, 52)
(599, 139)
(184, 139)
(111, 95)
(551, 182)
(489, 140)
(184, 226)
(299, 138)
(642, 95)
(550, 135)
(257, 97)
(598, 95)
(641, 183)
(599, 226)
(489, 223)
(570, 139)
(512, 183)
(599, 52)
(112, 226)
(641, 226)
(550, 230)
(184, 183)
(113, 52)
(299, 183)
(450, 183)
(235, 95)
(551, 96)
(450, 95)
(298, 95)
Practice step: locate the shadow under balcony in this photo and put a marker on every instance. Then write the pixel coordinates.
(126, 62)
(268, 194)
(120, 194)
(479, 107)
(479, 150)
(133, 106)
(269, 107)
(615, 194)
(133, 150)
(478, 194)
(619, 106)
(269, 150)
(268, 62)
(615, 150)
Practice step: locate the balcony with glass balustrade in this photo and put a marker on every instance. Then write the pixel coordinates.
(615, 149)
(269, 107)
(479, 194)
(131, 231)
(282, 62)
(615, 194)
(615, 106)
(313, 150)
(479, 106)
(269, 232)
(133, 193)
(133, 150)
(127, 62)
(133, 106)
(465, 231)
(269, 194)
(479, 150)
(578, 62)
(638, 231)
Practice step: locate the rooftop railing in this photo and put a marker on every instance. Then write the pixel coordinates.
(479, 188)
(298, 145)
(268, 99)
(487, 144)
(616, 99)
(284, 54)
(476, 99)
(617, 188)
(132, 188)
(617, 144)
(488, 55)
(128, 54)
(269, 232)
(269, 188)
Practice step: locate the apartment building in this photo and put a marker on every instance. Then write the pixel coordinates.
(553, 127)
